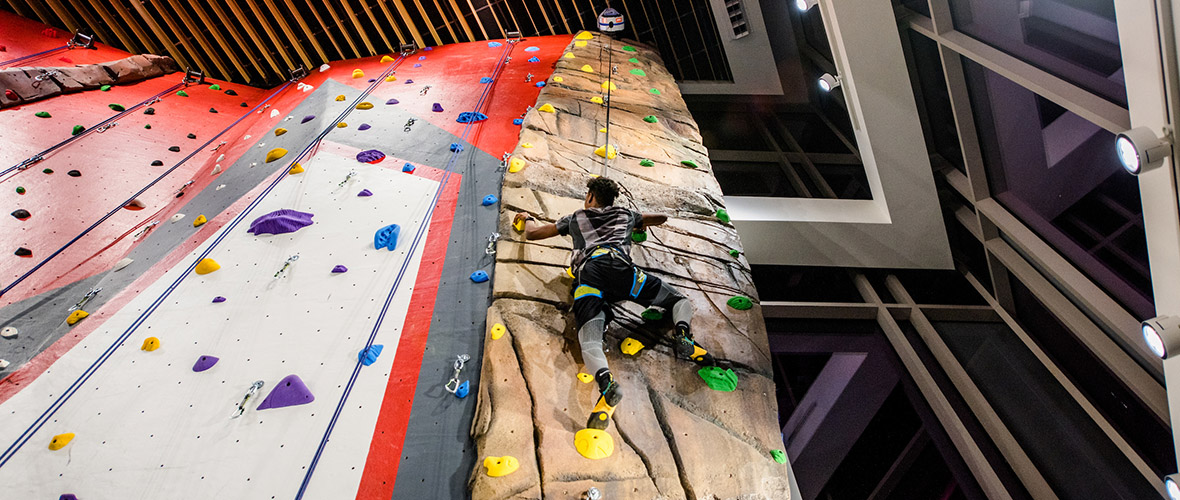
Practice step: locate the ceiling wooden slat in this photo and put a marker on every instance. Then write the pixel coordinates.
(561, 14)
(99, 29)
(136, 28)
(274, 39)
(225, 47)
(262, 47)
(446, 21)
(369, 12)
(129, 42)
(307, 63)
(336, 21)
(401, 9)
(360, 29)
(475, 14)
(44, 15)
(429, 23)
(200, 59)
(462, 22)
(20, 9)
(245, 47)
(195, 30)
(310, 35)
(64, 14)
(160, 34)
(389, 16)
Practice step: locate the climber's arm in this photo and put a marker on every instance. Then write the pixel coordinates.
(649, 220)
(534, 230)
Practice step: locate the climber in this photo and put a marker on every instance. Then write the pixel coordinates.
(604, 274)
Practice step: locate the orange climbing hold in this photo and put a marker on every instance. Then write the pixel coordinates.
(60, 441)
(341, 97)
(341, 125)
(150, 344)
(365, 105)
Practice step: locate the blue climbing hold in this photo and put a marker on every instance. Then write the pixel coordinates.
(490, 200)
(486, 79)
(479, 276)
(455, 147)
(540, 84)
(421, 58)
(463, 389)
(368, 355)
(495, 44)
(517, 121)
(532, 49)
(417, 65)
(408, 168)
(386, 237)
(534, 59)
(471, 117)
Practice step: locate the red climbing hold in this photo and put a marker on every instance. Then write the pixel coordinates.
(49, 32)
(10, 95)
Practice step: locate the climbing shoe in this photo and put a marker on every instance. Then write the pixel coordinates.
(611, 395)
(689, 349)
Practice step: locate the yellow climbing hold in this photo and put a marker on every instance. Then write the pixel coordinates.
(547, 108)
(608, 151)
(594, 444)
(207, 266)
(275, 154)
(390, 78)
(200, 220)
(365, 105)
(501, 466)
(587, 69)
(150, 344)
(603, 130)
(76, 316)
(585, 35)
(558, 79)
(586, 378)
(569, 271)
(357, 73)
(280, 131)
(60, 441)
(596, 100)
(295, 169)
(386, 59)
(579, 44)
(515, 165)
(341, 97)
(568, 55)
(341, 125)
(610, 84)
(498, 331)
(526, 145)
(518, 225)
(631, 346)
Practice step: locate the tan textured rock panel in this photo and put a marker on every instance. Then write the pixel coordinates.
(69, 79)
(674, 437)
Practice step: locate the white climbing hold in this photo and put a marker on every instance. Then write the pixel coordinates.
(254, 164)
(8, 332)
(274, 113)
(324, 68)
(176, 217)
(261, 145)
(247, 136)
(219, 187)
(123, 263)
(3, 364)
(217, 169)
(221, 157)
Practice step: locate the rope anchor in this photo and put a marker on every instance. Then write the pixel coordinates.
(453, 385)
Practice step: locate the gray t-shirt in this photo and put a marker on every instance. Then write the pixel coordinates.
(593, 227)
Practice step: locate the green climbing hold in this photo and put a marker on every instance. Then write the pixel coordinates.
(41, 114)
(689, 164)
(105, 88)
(723, 216)
(182, 93)
(628, 48)
(116, 107)
(718, 379)
(779, 456)
(655, 91)
(78, 129)
(47, 171)
(147, 126)
(740, 303)
(215, 87)
(639, 237)
(638, 72)
(651, 314)
(20, 190)
(633, 60)
(651, 119)
(646, 163)
(734, 253)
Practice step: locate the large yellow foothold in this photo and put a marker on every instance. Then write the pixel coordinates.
(586, 378)
(76, 316)
(596, 100)
(60, 441)
(631, 346)
(275, 154)
(606, 151)
(603, 130)
(386, 59)
(594, 444)
(518, 226)
(558, 79)
(341, 97)
(501, 466)
(609, 84)
(515, 165)
(498, 331)
(150, 344)
(585, 35)
(547, 108)
(365, 105)
(295, 169)
(587, 69)
(390, 78)
(357, 73)
(206, 266)
(341, 125)
(579, 44)
(280, 131)
(568, 55)
(200, 220)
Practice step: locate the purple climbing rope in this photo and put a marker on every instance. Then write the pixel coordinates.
(31, 56)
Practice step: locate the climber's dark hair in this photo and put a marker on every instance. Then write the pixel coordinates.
(603, 189)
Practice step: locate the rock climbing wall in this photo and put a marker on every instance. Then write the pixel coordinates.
(673, 436)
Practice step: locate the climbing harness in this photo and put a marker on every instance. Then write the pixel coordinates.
(492, 239)
(409, 123)
(254, 388)
(86, 298)
(287, 264)
(453, 385)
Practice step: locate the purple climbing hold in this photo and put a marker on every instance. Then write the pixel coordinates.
(67, 496)
(417, 65)
(290, 391)
(308, 118)
(409, 81)
(386, 237)
(437, 108)
(340, 269)
(370, 156)
(408, 168)
(364, 126)
(369, 354)
(421, 58)
(428, 49)
(365, 192)
(218, 299)
(280, 222)
(205, 362)
(371, 80)
(392, 101)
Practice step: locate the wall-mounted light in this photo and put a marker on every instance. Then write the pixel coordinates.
(805, 5)
(1171, 486)
(827, 82)
(1162, 335)
(1140, 149)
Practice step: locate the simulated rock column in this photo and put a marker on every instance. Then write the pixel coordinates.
(674, 437)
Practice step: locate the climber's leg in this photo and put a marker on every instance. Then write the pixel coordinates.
(589, 307)
(663, 295)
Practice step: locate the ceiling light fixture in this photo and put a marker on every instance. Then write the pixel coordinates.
(827, 82)
(1140, 149)
(805, 5)
(1162, 335)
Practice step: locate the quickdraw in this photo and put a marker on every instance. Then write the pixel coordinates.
(409, 123)
(254, 388)
(86, 298)
(287, 264)
(492, 239)
(43, 76)
(453, 385)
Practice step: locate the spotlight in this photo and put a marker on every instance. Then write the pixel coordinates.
(827, 82)
(1171, 486)
(805, 5)
(1162, 335)
(1139, 149)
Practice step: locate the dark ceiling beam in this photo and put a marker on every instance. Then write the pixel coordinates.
(446, 22)
(262, 47)
(148, 42)
(475, 14)
(225, 47)
(339, 23)
(327, 31)
(401, 9)
(401, 37)
(359, 29)
(295, 41)
(64, 14)
(389, 46)
(199, 35)
(274, 38)
(462, 21)
(429, 23)
(129, 42)
(240, 40)
(901, 465)
(160, 33)
(199, 57)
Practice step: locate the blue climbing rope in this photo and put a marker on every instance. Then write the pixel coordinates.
(26, 163)
(31, 56)
(500, 63)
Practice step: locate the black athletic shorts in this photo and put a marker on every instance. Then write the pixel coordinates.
(608, 278)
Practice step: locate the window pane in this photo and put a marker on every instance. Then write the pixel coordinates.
(1058, 173)
(1076, 40)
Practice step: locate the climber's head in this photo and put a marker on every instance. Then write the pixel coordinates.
(601, 192)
